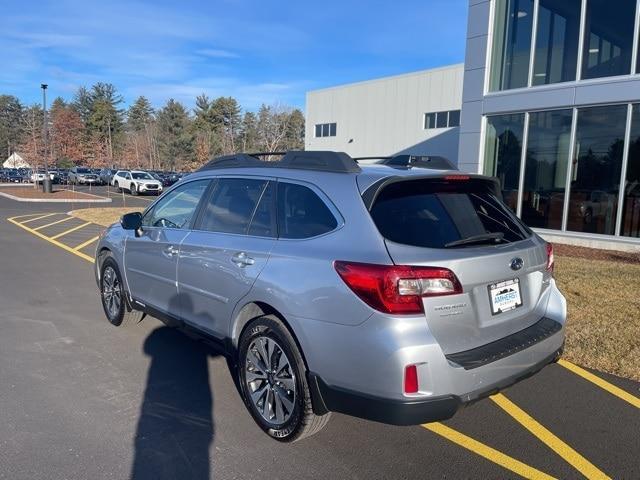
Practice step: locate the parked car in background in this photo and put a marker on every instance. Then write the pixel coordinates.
(63, 175)
(171, 178)
(38, 176)
(396, 292)
(54, 175)
(106, 174)
(82, 176)
(136, 182)
(11, 175)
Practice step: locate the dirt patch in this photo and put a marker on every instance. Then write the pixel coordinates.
(102, 216)
(603, 312)
(63, 194)
(595, 254)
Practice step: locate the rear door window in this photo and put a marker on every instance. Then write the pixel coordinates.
(445, 214)
(263, 222)
(301, 213)
(232, 205)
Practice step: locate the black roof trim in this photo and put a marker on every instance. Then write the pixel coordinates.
(325, 161)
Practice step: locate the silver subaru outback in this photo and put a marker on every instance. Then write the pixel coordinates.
(397, 292)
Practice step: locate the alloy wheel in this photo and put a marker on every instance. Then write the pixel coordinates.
(270, 380)
(111, 292)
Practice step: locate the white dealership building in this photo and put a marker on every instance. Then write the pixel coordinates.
(550, 104)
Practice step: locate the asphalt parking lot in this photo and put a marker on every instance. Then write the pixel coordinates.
(82, 399)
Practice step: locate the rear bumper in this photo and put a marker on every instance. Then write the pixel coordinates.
(407, 412)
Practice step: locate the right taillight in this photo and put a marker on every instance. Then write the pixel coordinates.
(397, 289)
(550, 259)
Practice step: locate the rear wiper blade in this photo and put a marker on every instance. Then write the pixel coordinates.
(494, 237)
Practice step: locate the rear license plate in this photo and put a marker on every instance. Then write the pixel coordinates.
(505, 296)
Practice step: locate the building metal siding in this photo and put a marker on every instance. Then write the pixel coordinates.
(386, 116)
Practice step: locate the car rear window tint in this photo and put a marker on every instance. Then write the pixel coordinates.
(232, 204)
(301, 213)
(435, 213)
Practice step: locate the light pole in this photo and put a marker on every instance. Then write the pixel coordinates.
(46, 181)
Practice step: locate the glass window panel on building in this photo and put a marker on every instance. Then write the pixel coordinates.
(631, 206)
(557, 36)
(430, 120)
(503, 151)
(597, 163)
(454, 118)
(608, 45)
(545, 171)
(442, 119)
(511, 44)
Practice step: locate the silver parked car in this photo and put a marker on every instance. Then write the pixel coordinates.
(396, 292)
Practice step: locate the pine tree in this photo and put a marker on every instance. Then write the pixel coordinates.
(140, 114)
(249, 132)
(175, 141)
(11, 124)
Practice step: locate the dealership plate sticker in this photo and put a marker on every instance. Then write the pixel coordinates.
(505, 296)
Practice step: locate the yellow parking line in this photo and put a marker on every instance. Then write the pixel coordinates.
(554, 443)
(70, 230)
(38, 218)
(612, 389)
(487, 452)
(88, 242)
(27, 215)
(66, 219)
(54, 242)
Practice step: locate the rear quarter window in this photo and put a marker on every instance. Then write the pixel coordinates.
(301, 213)
(436, 213)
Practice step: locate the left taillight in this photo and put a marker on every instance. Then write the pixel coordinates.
(550, 259)
(397, 289)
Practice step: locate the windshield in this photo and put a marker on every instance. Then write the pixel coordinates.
(445, 214)
(83, 170)
(141, 176)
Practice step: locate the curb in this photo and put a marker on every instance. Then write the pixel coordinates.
(57, 200)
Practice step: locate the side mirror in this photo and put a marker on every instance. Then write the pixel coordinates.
(131, 221)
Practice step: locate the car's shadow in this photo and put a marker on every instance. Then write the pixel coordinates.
(175, 428)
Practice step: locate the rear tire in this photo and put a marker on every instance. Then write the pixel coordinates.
(134, 190)
(273, 381)
(117, 187)
(114, 297)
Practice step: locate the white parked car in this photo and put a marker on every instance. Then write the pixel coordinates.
(38, 177)
(136, 182)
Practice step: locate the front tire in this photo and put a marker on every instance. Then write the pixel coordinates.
(273, 380)
(113, 295)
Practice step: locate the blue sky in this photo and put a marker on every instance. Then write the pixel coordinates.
(265, 51)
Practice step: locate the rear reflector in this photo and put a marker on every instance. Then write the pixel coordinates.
(397, 289)
(550, 259)
(411, 379)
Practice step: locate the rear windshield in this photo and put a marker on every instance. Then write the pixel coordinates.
(82, 170)
(445, 214)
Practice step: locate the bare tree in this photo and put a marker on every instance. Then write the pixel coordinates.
(272, 127)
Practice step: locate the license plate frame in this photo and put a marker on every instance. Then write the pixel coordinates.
(510, 289)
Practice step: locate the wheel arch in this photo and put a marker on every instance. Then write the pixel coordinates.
(255, 309)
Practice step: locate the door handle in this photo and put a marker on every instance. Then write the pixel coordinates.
(170, 251)
(242, 260)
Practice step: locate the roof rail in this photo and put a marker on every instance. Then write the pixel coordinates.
(325, 161)
(417, 161)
